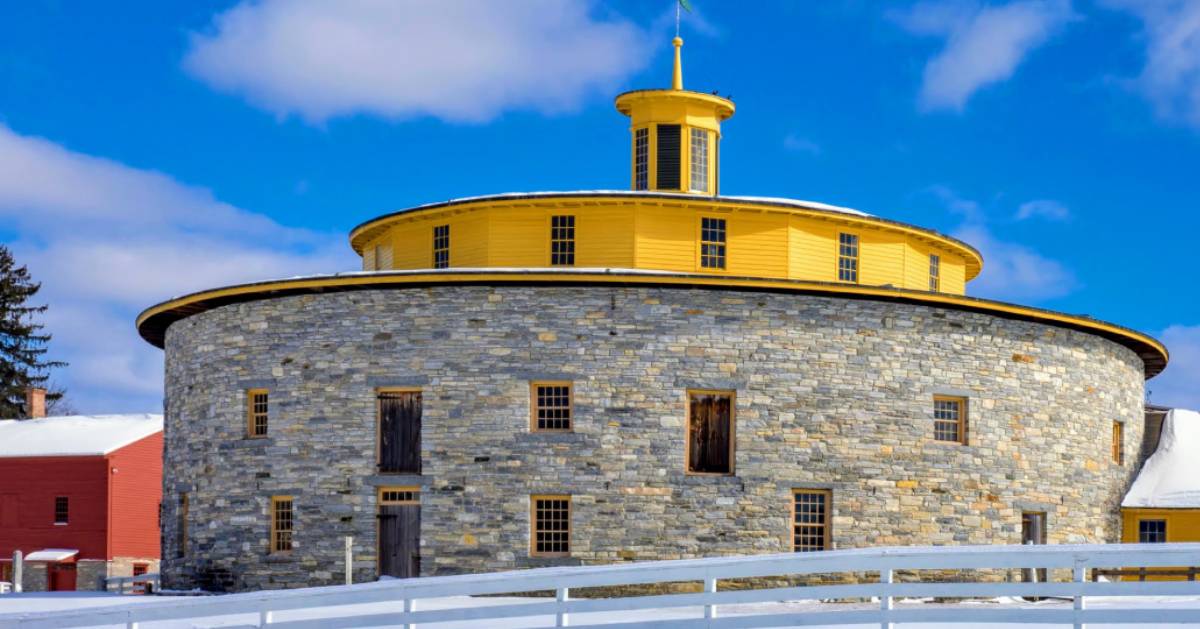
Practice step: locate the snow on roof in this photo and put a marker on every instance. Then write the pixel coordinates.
(52, 554)
(1171, 476)
(74, 435)
(811, 205)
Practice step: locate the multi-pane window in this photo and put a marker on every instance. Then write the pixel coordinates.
(282, 524)
(1118, 443)
(935, 273)
(699, 171)
(256, 412)
(551, 525)
(441, 247)
(182, 530)
(712, 243)
(551, 406)
(641, 159)
(399, 496)
(810, 520)
(950, 419)
(62, 510)
(1152, 531)
(710, 432)
(562, 240)
(848, 258)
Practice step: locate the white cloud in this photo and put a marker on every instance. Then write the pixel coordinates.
(107, 240)
(801, 144)
(984, 43)
(1043, 208)
(1170, 77)
(1011, 272)
(459, 60)
(1179, 385)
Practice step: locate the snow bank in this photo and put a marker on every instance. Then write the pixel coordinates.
(1171, 476)
(74, 435)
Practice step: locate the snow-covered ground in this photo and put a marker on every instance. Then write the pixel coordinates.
(39, 602)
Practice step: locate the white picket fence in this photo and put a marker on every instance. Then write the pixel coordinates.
(278, 609)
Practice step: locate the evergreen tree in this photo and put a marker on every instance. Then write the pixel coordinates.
(23, 361)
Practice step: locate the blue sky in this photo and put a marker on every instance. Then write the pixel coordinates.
(168, 147)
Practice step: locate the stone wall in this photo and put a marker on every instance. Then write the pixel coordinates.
(831, 393)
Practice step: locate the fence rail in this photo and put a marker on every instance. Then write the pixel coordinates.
(401, 599)
(138, 584)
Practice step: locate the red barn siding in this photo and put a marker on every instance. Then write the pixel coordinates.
(30, 484)
(136, 493)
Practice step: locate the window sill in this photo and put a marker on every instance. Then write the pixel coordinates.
(61, 523)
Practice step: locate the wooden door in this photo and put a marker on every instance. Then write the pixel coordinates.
(400, 432)
(400, 540)
(61, 577)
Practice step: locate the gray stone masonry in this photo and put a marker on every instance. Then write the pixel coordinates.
(831, 393)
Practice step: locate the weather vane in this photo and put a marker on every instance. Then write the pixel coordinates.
(681, 4)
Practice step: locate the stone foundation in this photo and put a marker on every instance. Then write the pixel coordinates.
(831, 393)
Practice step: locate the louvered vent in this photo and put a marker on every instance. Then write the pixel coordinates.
(668, 157)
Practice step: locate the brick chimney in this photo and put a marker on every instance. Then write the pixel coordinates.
(35, 402)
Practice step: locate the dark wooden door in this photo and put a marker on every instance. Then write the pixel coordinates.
(400, 541)
(400, 433)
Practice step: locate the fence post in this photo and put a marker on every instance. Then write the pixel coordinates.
(130, 623)
(710, 587)
(410, 605)
(265, 617)
(885, 598)
(18, 571)
(1080, 573)
(562, 619)
(349, 560)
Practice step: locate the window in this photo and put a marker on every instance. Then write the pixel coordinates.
(5, 571)
(562, 240)
(383, 257)
(182, 531)
(935, 273)
(699, 178)
(61, 510)
(441, 247)
(848, 258)
(256, 413)
(810, 520)
(399, 496)
(140, 568)
(641, 159)
(1152, 531)
(712, 243)
(950, 419)
(551, 526)
(668, 157)
(282, 522)
(551, 402)
(1118, 443)
(710, 432)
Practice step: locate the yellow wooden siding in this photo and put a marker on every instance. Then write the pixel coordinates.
(758, 244)
(954, 275)
(412, 246)
(603, 236)
(519, 237)
(814, 250)
(1183, 525)
(667, 239)
(880, 259)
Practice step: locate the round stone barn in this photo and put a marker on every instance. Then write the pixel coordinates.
(656, 373)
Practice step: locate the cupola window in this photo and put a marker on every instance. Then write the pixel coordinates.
(699, 172)
(668, 157)
(712, 243)
(641, 159)
(848, 258)
(441, 247)
(562, 240)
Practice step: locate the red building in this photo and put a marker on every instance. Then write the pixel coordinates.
(79, 497)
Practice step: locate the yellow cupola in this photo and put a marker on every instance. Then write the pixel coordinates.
(676, 136)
